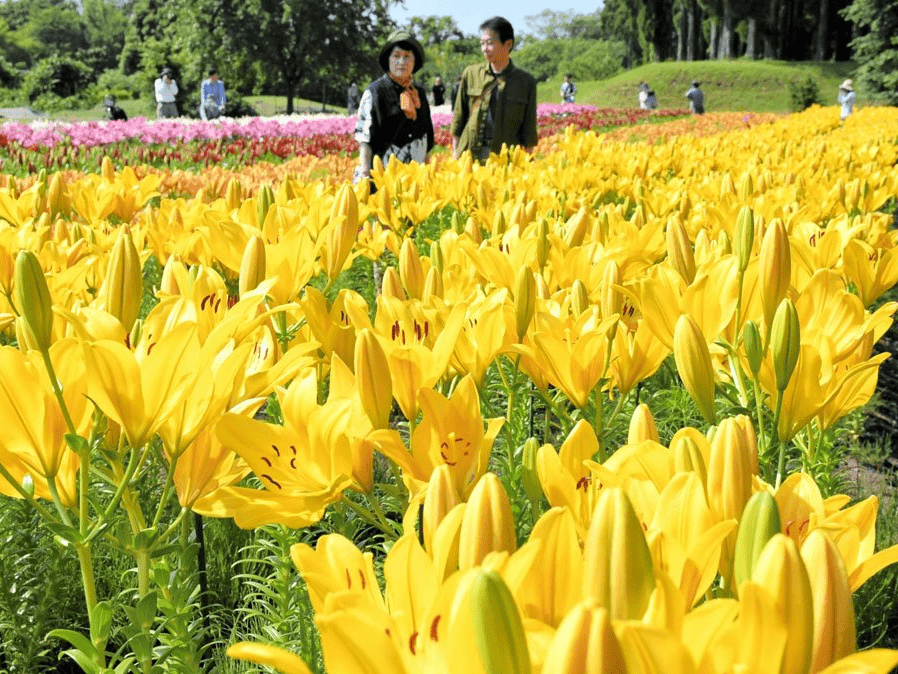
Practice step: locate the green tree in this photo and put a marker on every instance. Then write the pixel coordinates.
(434, 30)
(875, 47)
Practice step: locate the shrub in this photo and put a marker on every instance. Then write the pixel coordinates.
(804, 93)
(57, 76)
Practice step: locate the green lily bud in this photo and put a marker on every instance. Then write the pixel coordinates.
(693, 361)
(136, 333)
(457, 224)
(264, 202)
(579, 297)
(498, 628)
(746, 187)
(785, 342)
(524, 301)
(744, 237)
(436, 256)
(754, 351)
(28, 485)
(121, 292)
(529, 475)
(760, 521)
(33, 300)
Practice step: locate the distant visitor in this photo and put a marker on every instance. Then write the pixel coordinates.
(847, 97)
(568, 89)
(212, 96)
(114, 113)
(696, 98)
(166, 92)
(647, 100)
(438, 91)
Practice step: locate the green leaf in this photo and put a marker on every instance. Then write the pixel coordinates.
(100, 622)
(85, 653)
(65, 532)
(76, 443)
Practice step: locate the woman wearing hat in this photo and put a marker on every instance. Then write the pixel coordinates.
(846, 98)
(166, 90)
(394, 116)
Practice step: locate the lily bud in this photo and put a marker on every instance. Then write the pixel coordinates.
(746, 186)
(341, 231)
(744, 237)
(542, 288)
(785, 343)
(499, 225)
(411, 273)
(264, 202)
(136, 333)
(693, 360)
(107, 170)
(579, 298)
(604, 227)
(373, 379)
(252, 266)
(835, 634)
(168, 284)
(457, 224)
(488, 525)
(585, 643)
(775, 268)
(436, 256)
(754, 351)
(679, 250)
(390, 285)
(617, 570)
(498, 628)
(433, 284)
(33, 300)
(689, 449)
(611, 299)
(759, 523)
(121, 292)
(472, 229)
(781, 571)
(441, 497)
(57, 196)
(576, 228)
(524, 301)
(529, 473)
(642, 426)
(542, 243)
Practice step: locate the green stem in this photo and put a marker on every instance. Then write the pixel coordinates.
(166, 491)
(600, 424)
(781, 464)
(366, 515)
(85, 561)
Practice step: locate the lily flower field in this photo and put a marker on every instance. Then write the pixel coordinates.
(575, 411)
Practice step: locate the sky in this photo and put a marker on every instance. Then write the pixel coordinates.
(469, 14)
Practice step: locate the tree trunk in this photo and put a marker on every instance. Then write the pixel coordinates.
(727, 34)
(714, 41)
(683, 35)
(822, 30)
(751, 39)
(288, 84)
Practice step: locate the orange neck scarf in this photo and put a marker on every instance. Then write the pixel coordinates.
(409, 100)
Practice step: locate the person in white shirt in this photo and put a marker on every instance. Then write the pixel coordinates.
(166, 90)
(846, 98)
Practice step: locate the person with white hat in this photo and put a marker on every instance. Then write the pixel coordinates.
(846, 98)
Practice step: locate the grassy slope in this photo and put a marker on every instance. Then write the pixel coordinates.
(740, 85)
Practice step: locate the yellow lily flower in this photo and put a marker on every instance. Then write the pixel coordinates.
(871, 270)
(32, 441)
(303, 465)
(487, 331)
(636, 354)
(574, 352)
(273, 656)
(450, 433)
(138, 390)
(552, 586)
